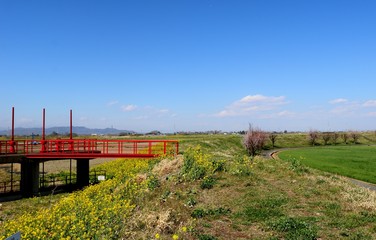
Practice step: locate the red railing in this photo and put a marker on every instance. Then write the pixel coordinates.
(89, 148)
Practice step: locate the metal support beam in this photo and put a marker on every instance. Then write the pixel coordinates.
(83, 168)
(29, 177)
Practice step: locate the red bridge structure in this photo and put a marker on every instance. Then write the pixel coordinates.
(30, 153)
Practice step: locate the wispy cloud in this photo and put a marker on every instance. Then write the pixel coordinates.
(346, 107)
(338, 100)
(147, 112)
(26, 120)
(370, 103)
(128, 108)
(252, 104)
(112, 103)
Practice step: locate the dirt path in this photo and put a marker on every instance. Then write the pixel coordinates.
(64, 165)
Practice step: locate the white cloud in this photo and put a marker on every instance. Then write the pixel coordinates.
(83, 119)
(128, 108)
(26, 120)
(163, 110)
(338, 100)
(286, 114)
(351, 107)
(112, 103)
(370, 103)
(371, 114)
(252, 104)
(260, 98)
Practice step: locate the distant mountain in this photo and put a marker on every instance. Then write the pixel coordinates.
(66, 130)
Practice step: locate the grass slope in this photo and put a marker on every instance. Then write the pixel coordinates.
(270, 200)
(244, 199)
(357, 162)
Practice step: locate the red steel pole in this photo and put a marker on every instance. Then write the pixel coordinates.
(12, 123)
(11, 142)
(71, 131)
(71, 126)
(44, 125)
(43, 142)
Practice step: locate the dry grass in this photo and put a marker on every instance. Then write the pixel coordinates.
(168, 167)
(329, 206)
(250, 206)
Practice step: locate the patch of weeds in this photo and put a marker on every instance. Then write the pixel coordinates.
(198, 164)
(225, 185)
(263, 209)
(297, 166)
(153, 182)
(320, 181)
(254, 214)
(219, 165)
(333, 209)
(242, 166)
(368, 217)
(294, 228)
(353, 221)
(191, 202)
(208, 182)
(192, 191)
(206, 225)
(359, 236)
(206, 237)
(200, 213)
(165, 195)
(178, 195)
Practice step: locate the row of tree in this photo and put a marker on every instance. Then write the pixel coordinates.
(333, 137)
(255, 139)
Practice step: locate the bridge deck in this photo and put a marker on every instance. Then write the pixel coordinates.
(15, 151)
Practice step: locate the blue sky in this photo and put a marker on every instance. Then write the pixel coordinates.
(189, 65)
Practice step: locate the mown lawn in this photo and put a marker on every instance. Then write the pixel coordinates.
(357, 162)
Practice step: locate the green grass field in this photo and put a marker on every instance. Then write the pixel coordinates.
(354, 161)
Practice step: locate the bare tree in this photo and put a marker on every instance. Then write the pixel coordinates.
(273, 137)
(335, 137)
(254, 140)
(345, 137)
(313, 135)
(326, 136)
(355, 136)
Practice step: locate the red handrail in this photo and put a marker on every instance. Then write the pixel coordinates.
(89, 148)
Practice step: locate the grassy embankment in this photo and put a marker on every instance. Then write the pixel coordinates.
(216, 192)
(357, 162)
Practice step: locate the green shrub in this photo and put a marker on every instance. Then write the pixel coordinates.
(153, 182)
(208, 182)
